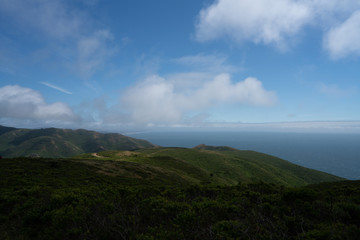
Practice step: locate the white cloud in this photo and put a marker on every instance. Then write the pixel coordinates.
(68, 32)
(280, 22)
(344, 39)
(200, 69)
(153, 100)
(157, 100)
(222, 90)
(187, 82)
(259, 21)
(336, 10)
(24, 103)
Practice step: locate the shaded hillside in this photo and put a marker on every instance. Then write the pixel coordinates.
(86, 199)
(53, 142)
(221, 165)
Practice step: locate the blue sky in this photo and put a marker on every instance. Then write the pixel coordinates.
(135, 64)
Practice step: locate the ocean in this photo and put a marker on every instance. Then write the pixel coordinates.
(334, 153)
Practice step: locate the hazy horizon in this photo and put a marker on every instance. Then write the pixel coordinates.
(335, 153)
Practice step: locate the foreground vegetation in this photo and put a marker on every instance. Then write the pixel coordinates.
(73, 199)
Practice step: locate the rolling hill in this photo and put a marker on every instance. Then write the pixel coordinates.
(54, 142)
(138, 160)
(202, 164)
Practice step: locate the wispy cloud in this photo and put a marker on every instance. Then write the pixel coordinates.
(93, 51)
(206, 63)
(200, 68)
(334, 90)
(50, 85)
(69, 33)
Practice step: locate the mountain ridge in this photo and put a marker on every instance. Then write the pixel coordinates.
(56, 142)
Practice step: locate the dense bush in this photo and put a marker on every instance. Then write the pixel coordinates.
(48, 201)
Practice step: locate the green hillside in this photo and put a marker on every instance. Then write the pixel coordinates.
(219, 165)
(54, 142)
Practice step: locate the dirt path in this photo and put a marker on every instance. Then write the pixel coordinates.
(96, 155)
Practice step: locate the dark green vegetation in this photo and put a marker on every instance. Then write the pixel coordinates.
(54, 142)
(82, 199)
(164, 193)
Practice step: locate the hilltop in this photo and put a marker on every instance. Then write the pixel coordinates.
(55, 142)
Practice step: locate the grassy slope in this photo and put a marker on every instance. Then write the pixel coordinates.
(224, 167)
(52, 142)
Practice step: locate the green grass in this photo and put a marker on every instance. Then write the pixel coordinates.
(224, 167)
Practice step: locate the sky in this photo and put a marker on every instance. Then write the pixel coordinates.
(138, 65)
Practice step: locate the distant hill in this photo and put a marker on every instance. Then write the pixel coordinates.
(202, 164)
(54, 142)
